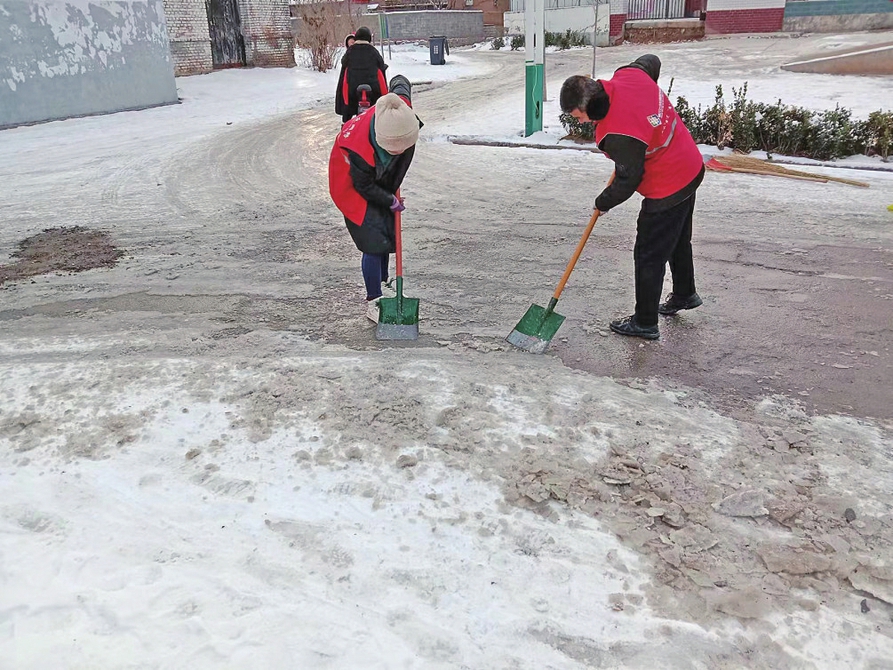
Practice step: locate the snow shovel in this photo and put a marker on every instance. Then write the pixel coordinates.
(398, 317)
(538, 326)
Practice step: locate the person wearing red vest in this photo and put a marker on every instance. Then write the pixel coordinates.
(367, 165)
(339, 88)
(360, 64)
(653, 153)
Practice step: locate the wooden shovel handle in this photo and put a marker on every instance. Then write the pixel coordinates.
(578, 250)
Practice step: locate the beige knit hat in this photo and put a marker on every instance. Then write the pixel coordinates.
(396, 125)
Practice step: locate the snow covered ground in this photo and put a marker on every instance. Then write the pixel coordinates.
(190, 480)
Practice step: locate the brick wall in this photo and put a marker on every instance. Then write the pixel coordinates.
(744, 16)
(663, 31)
(266, 26)
(694, 7)
(617, 21)
(187, 30)
(266, 29)
(461, 26)
(618, 18)
(493, 10)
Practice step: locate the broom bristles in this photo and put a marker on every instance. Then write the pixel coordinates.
(750, 163)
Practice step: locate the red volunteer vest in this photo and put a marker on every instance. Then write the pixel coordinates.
(345, 89)
(354, 136)
(640, 109)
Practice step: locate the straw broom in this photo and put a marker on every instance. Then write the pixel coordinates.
(741, 163)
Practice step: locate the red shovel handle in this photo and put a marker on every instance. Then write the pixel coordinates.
(397, 219)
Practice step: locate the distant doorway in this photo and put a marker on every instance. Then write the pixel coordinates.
(225, 28)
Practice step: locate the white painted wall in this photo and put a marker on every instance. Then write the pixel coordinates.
(581, 19)
(518, 5)
(63, 58)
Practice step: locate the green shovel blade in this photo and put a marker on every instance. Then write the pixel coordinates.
(398, 317)
(536, 329)
(391, 312)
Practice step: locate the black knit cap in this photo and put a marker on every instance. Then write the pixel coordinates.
(364, 34)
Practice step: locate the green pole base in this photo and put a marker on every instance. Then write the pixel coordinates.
(533, 97)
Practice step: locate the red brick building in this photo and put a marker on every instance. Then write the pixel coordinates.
(718, 16)
(210, 34)
(493, 10)
(744, 16)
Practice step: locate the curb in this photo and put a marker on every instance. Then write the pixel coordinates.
(480, 142)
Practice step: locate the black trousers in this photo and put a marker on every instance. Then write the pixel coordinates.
(661, 238)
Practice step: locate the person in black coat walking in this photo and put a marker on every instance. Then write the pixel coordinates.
(361, 64)
(339, 99)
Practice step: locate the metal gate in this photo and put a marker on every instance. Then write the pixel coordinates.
(225, 28)
(655, 9)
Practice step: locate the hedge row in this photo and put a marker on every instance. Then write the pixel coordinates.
(776, 128)
(566, 40)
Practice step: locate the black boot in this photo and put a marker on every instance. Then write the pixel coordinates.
(677, 303)
(628, 326)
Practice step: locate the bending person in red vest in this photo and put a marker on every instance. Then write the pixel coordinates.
(367, 165)
(654, 154)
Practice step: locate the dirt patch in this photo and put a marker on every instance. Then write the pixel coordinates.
(72, 249)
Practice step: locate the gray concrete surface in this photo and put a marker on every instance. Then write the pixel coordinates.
(63, 58)
(838, 23)
(875, 61)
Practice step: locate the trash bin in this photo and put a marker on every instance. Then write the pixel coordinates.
(438, 47)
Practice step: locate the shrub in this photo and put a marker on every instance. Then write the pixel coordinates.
(877, 134)
(776, 128)
(835, 135)
(582, 131)
(517, 42)
(322, 30)
(743, 121)
(566, 40)
(497, 43)
(717, 123)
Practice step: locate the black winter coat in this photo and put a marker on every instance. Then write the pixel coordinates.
(378, 184)
(360, 64)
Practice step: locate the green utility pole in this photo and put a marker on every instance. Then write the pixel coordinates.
(534, 63)
(383, 33)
